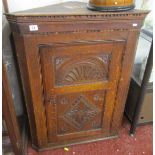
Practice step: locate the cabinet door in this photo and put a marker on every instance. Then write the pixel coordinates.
(80, 84)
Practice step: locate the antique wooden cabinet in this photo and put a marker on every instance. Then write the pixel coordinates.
(75, 67)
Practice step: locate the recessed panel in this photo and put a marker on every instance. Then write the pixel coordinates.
(80, 112)
(71, 71)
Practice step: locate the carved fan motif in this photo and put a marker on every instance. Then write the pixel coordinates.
(86, 70)
(82, 72)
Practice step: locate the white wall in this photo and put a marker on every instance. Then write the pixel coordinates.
(18, 5)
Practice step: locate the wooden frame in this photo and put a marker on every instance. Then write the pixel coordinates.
(10, 118)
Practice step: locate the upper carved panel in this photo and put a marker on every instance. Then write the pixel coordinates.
(84, 70)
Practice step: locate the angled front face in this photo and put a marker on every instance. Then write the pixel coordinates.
(80, 83)
(75, 70)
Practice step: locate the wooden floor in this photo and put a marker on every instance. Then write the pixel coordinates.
(140, 144)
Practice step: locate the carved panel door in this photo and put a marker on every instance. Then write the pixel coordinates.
(80, 82)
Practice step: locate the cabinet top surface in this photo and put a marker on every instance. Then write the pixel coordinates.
(67, 8)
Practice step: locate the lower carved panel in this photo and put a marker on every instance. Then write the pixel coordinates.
(80, 112)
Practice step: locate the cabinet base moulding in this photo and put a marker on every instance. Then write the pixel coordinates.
(71, 143)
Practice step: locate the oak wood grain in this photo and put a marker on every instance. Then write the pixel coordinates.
(75, 71)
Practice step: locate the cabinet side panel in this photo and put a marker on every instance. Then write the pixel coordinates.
(30, 74)
(124, 81)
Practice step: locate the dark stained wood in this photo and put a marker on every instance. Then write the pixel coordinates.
(75, 71)
(9, 116)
